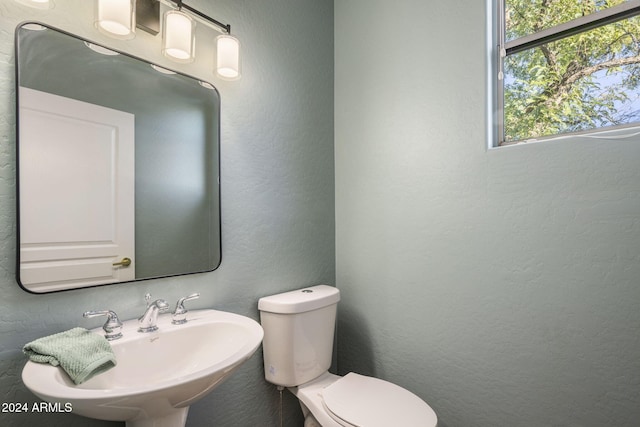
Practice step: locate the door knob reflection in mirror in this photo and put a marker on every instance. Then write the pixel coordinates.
(126, 262)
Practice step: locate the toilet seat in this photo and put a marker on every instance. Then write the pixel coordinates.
(360, 401)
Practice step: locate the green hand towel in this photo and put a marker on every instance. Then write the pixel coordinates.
(82, 354)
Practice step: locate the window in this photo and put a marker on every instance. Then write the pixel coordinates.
(566, 66)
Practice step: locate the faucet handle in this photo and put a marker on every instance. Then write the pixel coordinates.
(180, 313)
(112, 327)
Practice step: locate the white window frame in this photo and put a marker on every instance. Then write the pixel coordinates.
(499, 49)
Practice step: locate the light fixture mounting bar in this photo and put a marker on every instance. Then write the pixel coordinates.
(148, 16)
(226, 28)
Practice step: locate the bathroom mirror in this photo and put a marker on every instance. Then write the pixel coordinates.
(118, 166)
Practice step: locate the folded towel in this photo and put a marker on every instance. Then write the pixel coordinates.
(82, 354)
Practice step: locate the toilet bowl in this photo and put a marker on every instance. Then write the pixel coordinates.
(297, 348)
(358, 400)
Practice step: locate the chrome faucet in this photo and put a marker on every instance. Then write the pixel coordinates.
(148, 320)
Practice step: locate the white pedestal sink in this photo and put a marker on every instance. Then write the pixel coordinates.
(158, 374)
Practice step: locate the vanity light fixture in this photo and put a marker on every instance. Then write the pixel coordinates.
(179, 39)
(178, 36)
(228, 57)
(119, 19)
(162, 70)
(38, 4)
(101, 50)
(207, 85)
(33, 27)
(116, 18)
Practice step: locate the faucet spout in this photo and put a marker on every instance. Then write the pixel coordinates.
(147, 321)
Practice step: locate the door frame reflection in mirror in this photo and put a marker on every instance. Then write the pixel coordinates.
(177, 133)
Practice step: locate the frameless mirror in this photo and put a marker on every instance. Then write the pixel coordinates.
(118, 166)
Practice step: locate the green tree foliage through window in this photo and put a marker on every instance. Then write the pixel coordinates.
(580, 82)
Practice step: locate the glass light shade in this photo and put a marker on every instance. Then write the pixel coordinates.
(228, 57)
(117, 18)
(38, 4)
(178, 39)
(101, 50)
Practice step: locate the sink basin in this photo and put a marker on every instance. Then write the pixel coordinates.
(158, 374)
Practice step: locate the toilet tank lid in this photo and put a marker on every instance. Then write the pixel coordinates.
(300, 300)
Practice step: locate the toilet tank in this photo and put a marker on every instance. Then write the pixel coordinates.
(298, 334)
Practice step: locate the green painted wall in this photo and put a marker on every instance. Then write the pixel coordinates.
(501, 286)
(277, 193)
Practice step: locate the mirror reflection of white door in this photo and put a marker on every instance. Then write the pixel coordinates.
(76, 180)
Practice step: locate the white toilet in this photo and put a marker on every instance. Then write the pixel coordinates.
(298, 345)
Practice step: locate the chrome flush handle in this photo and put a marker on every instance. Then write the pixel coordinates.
(180, 313)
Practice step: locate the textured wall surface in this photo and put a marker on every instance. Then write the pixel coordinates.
(277, 193)
(500, 285)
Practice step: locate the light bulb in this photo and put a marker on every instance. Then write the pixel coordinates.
(228, 57)
(178, 41)
(117, 18)
(38, 4)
